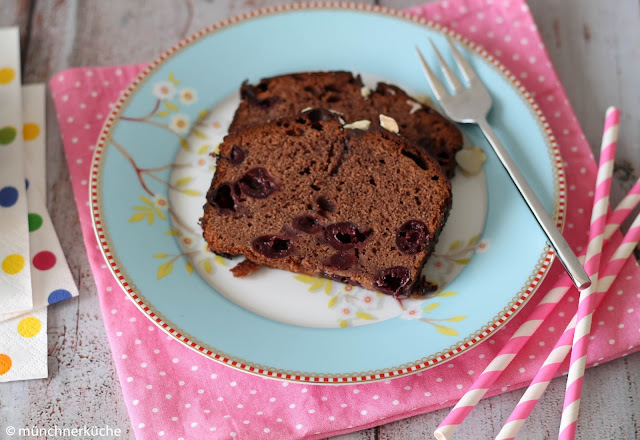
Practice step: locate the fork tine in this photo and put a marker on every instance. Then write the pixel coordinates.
(438, 90)
(464, 67)
(451, 77)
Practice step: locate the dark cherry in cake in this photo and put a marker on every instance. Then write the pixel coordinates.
(306, 195)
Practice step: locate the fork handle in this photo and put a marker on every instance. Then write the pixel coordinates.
(566, 255)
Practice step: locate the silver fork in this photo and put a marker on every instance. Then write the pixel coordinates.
(471, 105)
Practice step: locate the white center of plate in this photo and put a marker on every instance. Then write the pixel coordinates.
(300, 299)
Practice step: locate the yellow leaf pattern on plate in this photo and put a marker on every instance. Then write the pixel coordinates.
(446, 330)
(149, 209)
(199, 134)
(457, 318)
(343, 324)
(435, 320)
(173, 80)
(447, 293)
(189, 267)
(316, 285)
(171, 106)
(160, 213)
(430, 307)
(218, 259)
(137, 217)
(459, 253)
(333, 301)
(363, 315)
(165, 269)
(183, 181)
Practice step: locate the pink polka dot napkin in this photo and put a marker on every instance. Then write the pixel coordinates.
(172, 392)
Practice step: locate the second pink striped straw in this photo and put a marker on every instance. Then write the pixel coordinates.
(573, 392)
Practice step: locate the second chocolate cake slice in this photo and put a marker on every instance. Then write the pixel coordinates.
(307, 195)
(287, 95)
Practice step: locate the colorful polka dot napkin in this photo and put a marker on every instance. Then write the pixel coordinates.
(15, 277)
(34, 136)
(172, 392)
(23, 346)
(34, 271)
(51, 279)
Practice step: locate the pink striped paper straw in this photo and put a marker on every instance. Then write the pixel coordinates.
(624, 208)
(502, 360)
(560, 351)
(569, 419)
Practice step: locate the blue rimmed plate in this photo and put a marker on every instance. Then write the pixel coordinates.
(161, 130)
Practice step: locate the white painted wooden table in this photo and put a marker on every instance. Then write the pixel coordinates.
(595, 47)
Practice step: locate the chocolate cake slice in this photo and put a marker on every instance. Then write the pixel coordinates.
(287, 95)
(305, 194)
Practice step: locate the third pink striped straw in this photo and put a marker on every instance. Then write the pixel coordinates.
(622, 211)
(560, 351)
(535, 319)
(573, 392)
